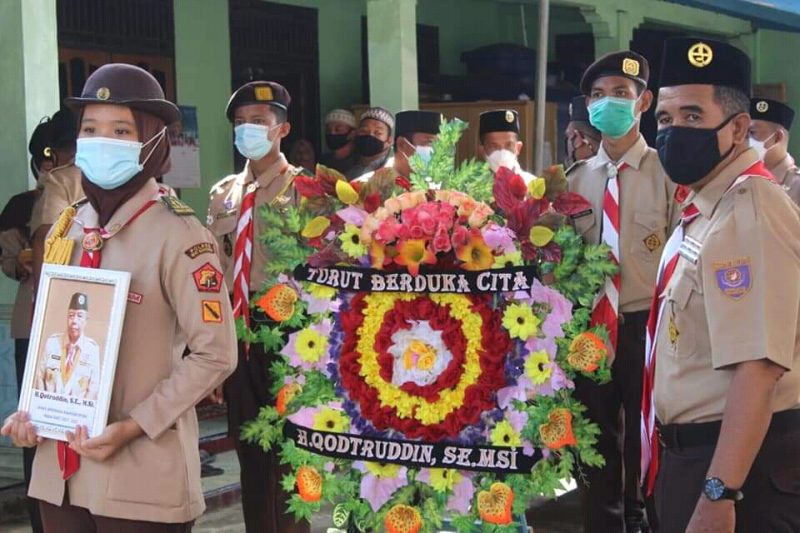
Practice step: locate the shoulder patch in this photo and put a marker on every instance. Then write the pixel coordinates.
(574, 165)
(177, 206)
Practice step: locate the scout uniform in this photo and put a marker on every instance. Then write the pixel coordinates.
(503, 120)
(360, 171)
(61, 187)
(646, 214)
(732, 297)
(155, 477)
(247, 390)
(785, 171)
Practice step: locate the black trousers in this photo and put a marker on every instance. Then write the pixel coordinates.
(611, 499)
(263, 498)
(771, 491)
(20, 354)
(68, 518)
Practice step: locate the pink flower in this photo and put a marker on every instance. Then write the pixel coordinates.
(478, 216)
(460, 236)
(499, 238)
(559, 309)
(441, 241)
(389, 231)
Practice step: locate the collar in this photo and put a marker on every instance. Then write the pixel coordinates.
(633, 157)
(709, 196)
(268, 176)
(780, 170)
(149, 191)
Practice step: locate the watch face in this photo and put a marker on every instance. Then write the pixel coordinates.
(714, 489)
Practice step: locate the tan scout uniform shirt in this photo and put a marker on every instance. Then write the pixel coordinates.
(788, 175)
(738, 302)
(61, 187)
(223, 213)
(155, 477)
(54, 375)
(648, 213)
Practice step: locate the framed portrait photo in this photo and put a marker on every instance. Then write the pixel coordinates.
(73, 349)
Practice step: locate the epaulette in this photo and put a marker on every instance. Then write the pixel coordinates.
(80, 203)
(177, 206)
(574, 165)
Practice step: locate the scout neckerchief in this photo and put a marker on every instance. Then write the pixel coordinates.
(68, 459)
(669, 261)
(605, 310)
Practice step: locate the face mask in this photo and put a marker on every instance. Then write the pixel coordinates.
(367, 145)
(336, 140)
(425, 153)
(689, 154)
(759, 147)
(502, 158)
(110, 163)
(252, 140)
(613, 116)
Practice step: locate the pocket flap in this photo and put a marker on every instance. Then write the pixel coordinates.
(681, 291)
(648, 220)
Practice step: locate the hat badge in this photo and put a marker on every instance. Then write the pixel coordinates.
(700, 55)
(103, 93)
(263, 93)
(47, 152)
(81, 300)
(630, 67)
(509, 116)
(762, 106)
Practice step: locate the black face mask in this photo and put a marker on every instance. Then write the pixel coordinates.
(336, 140)
(689, 154)
(367, 145)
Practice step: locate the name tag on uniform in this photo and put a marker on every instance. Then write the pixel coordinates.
(584, 213)
(225, 214)
(690, 249)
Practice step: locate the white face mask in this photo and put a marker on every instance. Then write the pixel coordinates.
(759, 147)
(502, 158)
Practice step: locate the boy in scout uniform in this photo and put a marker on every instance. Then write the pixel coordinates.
(725, 326)
(498, 141)
(769, 136)
(632, 212)
(71, 362)
(258, 111)
(581, 139)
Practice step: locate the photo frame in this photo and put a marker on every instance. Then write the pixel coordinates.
(74, 343)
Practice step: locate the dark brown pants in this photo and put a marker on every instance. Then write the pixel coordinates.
(771, 492)
(263, 499)
(71, 519)
(610, 497)
(20, 354)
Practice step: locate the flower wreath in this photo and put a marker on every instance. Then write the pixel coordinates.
(485, 369)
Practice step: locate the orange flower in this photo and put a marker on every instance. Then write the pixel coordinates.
(557, 433)
(285, 395)
(586, 351)
(476, 254)
(494, 505)
(278, 302)
(413, 253)
(403, 519)
(309, 484)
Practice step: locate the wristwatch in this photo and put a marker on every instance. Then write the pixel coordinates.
(715, 490)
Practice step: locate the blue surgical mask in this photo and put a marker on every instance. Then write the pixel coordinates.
(613, 116)
(252, 140)
(425, 153)
(111, 163)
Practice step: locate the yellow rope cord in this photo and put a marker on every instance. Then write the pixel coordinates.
(57, 248)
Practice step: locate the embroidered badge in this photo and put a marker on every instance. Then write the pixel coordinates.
(652, 242)
(92, 241)
(228, 204)
(207, 278)
(176, 206)
(673, 331)
(135, 298)
(199, 249)
(212, 311)
(733, 277)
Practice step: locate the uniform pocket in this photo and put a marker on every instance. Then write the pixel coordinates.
(647, 236)
(681, 328)
(584, 223)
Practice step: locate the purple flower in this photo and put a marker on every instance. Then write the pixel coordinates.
(499, 238)
(379, 482)
(462, 490)
(559, 308)
(352, 215)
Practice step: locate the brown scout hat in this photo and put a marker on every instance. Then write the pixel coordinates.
(259, 92)
(625, 63)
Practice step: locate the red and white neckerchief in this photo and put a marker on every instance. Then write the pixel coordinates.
(68, 459)
(666, 268)
(243, 254)
(606, 306)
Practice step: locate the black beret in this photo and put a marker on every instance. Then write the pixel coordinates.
(259, 92)
(79, 301)
(40, 143)
(691, 61)
(499, 120)
(128, 85)
(577, 110)
(407, 123)
(772, 111)
(625, 63)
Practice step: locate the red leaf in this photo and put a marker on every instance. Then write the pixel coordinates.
(524, 216)
(328, 178)
(571, 203)
(551, 253)
(509, 189)
(401, 181)
(308, 187)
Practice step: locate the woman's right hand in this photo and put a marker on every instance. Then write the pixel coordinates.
(19, 427)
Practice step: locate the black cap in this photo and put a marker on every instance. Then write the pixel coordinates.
(772, 111)
(128, 85)
(259, 92)
(690, 61)
(499, 120)
(407, 123)
(577, 110)
(40, 145)
(625, 63)
(79, 302)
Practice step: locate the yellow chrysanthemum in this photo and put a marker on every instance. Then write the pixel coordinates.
(508, 260)
(310, 345)
(382, 470)
(537, 368)
(320, 291)
(444, 479)
(332, 420)
(503, 434)
(351, 241)
(537, 188)
(520, 321)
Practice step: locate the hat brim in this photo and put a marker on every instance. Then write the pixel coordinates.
(163, 109)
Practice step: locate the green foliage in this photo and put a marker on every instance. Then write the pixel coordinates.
(281, 236)
(265, 430)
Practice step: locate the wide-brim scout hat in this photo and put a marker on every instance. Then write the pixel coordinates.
(772, 111)
(691, 61)
(626, 64)
(259, 92)
(498, 120)
(407, 123)
(128, 85)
